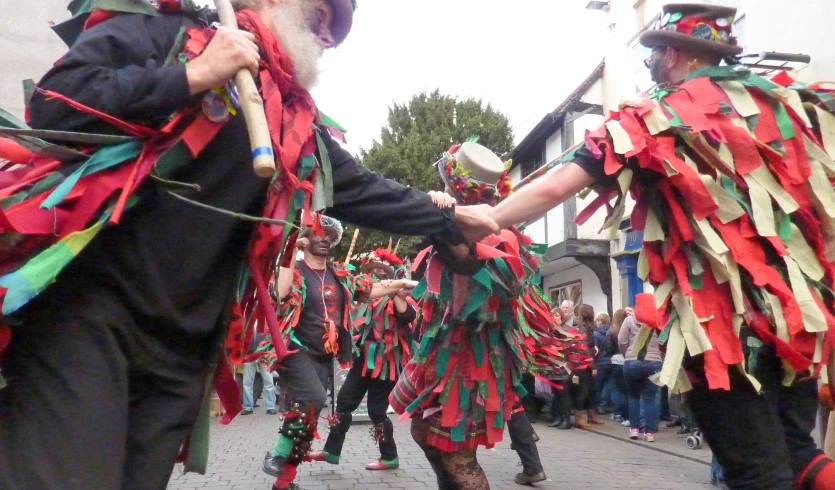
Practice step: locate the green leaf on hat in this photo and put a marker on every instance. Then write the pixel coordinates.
(675, 17)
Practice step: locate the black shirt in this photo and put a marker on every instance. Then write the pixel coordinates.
(322, 291)
(173, 266)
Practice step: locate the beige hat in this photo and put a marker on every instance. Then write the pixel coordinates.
(474, 174)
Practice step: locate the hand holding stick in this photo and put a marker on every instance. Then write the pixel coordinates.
(263, 158)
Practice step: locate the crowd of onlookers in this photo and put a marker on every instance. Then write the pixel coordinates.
(617, 380)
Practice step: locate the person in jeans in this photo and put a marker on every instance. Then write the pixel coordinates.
(604, 351)
(619, 398)
(250, 369)
(641, 362)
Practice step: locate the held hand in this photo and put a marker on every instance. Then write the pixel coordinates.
(345, 365)
(475, 221)
(442, 199)
(403, 293)
(301, 243)
(407, 285)
(229, 51)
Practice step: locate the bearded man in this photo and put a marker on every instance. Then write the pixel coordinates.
(109, 359)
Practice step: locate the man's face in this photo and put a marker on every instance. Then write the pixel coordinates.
(567, 308)
(659, 63)
(379, 273)
(629, 311)
(320, 246)
(303, 29)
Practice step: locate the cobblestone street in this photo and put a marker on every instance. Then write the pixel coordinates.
(573, 460)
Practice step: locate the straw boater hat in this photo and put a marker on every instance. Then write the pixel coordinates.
(343, 18)
(474, 174)
(705, 28)
(380, 258)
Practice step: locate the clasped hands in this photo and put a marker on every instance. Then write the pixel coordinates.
(475, 221)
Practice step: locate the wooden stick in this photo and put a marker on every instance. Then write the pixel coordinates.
(263, 159)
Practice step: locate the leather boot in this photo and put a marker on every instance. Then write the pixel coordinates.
(557, 422)
(273, 464)
(592, 418)
(565, 424)
(580, 420)
(526, 479)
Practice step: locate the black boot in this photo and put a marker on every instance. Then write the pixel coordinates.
(683, 430)
(291, 486)
(273, 464)
(526, 479)
(565, 424)
(557, 422)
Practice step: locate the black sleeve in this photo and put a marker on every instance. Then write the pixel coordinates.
(405, 317)
(366, 198)
(116, 67)
(593, 166)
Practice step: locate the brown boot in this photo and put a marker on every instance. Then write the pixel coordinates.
(593, 418)
(580, 420)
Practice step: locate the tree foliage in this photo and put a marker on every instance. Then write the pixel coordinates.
(415, 137)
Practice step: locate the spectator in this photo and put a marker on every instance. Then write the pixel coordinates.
(582, 385)
(561, 397)
(641, 363)
(619, 399)
(250, 368)
(604, 351)
(568, 317)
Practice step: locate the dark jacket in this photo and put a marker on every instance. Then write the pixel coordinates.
(173, 265)
(603, 345)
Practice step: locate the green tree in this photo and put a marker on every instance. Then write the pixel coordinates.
(417, 134)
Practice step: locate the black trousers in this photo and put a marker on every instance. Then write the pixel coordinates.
(582, 393)
(521, 435)
(349, 398)
(96, 400)
(762, 441)
(305, 379)
(561, 400)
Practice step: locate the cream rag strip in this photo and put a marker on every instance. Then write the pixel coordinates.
(620, 137)
(655, 120)
(740, 98)
(826, 123)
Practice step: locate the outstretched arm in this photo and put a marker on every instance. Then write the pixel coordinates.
(367, 198)
(285, 274)
(541, 195)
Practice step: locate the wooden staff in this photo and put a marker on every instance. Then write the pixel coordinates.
(263, 159)
(353, 244)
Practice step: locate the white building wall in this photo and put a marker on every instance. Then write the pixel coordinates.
(28, 47)
(515, 174)
(592, 292)
(553, 146)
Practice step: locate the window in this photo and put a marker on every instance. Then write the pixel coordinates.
(741, 32)
(572, 291)
(529, 165)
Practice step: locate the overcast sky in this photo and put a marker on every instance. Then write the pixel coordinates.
(522, 56)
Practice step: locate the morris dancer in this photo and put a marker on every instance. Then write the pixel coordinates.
(314, 318)
(108, 365)
(731, 174)
(481, 325)
(384, 329)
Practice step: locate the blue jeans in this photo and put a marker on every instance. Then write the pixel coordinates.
(249, 381)
(640, 389)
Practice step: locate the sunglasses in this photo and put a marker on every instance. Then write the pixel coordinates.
(648, 61)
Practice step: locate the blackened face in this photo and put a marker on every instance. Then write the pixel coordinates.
(320, 246)
(379, 273)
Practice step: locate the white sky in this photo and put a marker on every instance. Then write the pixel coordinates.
(522, 56)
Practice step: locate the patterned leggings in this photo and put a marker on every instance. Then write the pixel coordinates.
(455, 471)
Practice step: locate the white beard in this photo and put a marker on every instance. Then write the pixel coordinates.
(300, 43)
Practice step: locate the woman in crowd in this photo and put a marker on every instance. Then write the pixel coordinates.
(619, 399)
(561, 397)
(582, 385)
(643, 359)
(603, 364)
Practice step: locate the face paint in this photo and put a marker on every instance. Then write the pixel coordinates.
(655, 66)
